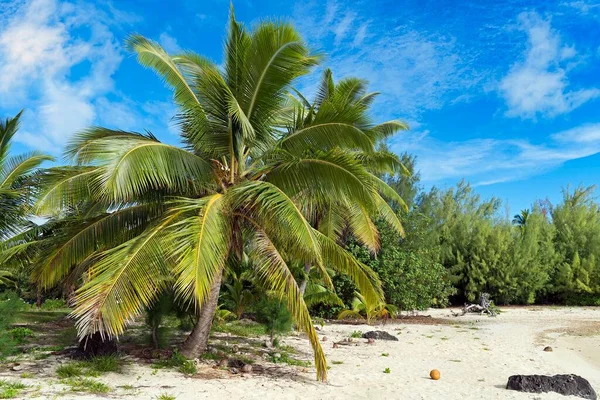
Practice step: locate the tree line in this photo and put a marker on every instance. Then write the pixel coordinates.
(465, 246)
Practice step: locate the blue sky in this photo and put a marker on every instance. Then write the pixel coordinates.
(504, 94)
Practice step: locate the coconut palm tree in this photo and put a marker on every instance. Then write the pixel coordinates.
(17, 182)
(348, 102)
(161, 216)
(17, 186)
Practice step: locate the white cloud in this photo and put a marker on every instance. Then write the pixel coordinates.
(169, 43)
(361, 33)
(38, 52)
(58, 59)
(539, 83)
(415, 70)
(488, 161)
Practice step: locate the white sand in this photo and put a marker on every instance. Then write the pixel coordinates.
(475, 360)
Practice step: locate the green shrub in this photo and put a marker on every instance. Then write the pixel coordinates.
(10, 305)
(53, 304)
(274, 315)
(19, 335)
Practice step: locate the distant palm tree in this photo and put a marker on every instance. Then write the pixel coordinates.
(521, 219)
(179, 217)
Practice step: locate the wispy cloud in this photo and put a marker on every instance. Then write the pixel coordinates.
(415, 70)
(488, 161)
(59, 59)
(169, 43)
(539, 84)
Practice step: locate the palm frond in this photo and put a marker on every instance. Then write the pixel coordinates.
(200, 246)
(274, 272)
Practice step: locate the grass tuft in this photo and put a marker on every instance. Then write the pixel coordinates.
(69, 371)
(165, 396)
(179, 362)
(356, 334)
(10, 390)
(86, 385)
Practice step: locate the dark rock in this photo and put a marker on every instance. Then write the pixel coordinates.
(568, 385)
(547, 348)
(378, 335)
(235, 363)
(324, 339)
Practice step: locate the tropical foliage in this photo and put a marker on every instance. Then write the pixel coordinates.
(141, 217)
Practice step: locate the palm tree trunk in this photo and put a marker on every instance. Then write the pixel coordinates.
(196, 343)
(304, 282)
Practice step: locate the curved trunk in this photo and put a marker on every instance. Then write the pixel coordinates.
(196, 342)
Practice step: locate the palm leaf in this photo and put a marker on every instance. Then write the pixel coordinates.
(272, 269)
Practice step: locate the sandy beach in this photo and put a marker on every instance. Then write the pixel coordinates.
(475, 355)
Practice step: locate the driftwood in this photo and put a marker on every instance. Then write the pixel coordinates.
(482, 308)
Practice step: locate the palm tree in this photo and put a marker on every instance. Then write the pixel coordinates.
(17, 186)
(521, 219)
(160, 216)
(16, 180)
(348, 102)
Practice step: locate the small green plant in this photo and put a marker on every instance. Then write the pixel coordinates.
(165, 396)
(385, 354)
(10, 390)
(20, 335)
(386, 371)
(27, 375)
(179, 362)
(356, 334)
(69, 371)
(285, 358)
(337, 362)
(86, 385)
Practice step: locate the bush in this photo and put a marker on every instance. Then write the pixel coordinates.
(53, 304)
(274, 315)
(19, 335)
(10, 304)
